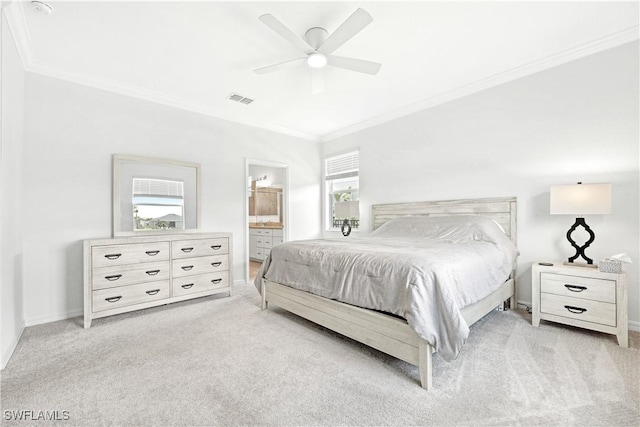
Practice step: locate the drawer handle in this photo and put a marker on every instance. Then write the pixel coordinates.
(216, 247)
(187, 249)
(216, 281)
(216, 264)
(187, 267)
(113, 299)
(113, 277)
(576, 310)
(187, 286)
(153, 291)
(152, 253)
(112, 256)
(575, 288)
(152, 272)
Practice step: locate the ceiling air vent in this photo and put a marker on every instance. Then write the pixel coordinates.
(239, 98)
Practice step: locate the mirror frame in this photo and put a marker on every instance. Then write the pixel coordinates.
(119, 161)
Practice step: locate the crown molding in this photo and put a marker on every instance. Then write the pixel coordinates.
(19, 30)
(18, 27)
(158, 98)
(608, 42)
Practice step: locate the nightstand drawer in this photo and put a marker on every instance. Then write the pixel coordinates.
(578, 287)
(579, 309)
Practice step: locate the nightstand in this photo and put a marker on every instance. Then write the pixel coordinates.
(581, 296)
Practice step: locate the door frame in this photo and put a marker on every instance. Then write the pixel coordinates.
(285, 204)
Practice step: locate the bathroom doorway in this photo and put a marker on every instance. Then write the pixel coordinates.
(267, 213)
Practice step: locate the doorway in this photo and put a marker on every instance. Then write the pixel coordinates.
(267, 213)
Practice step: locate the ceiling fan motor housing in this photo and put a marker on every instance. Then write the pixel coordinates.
(316, 36)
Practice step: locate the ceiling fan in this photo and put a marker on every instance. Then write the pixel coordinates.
(318, 47)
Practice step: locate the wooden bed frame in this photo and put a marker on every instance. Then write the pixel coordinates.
(383, 332)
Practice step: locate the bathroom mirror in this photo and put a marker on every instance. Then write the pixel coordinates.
(155, 196)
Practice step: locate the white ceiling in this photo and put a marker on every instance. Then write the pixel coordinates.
(192, 55)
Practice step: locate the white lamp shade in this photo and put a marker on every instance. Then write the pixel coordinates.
(349, 209)
(580, 199)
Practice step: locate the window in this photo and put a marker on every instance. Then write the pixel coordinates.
(342, 189)
(158, 204)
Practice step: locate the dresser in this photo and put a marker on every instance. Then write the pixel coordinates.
(581, 296)
(261, 240)
(131, 273)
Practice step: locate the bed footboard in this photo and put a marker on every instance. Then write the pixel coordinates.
(382, 332)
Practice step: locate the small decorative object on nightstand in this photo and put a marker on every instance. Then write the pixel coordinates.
(587, 298)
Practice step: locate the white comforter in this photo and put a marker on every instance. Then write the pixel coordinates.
(427, 281)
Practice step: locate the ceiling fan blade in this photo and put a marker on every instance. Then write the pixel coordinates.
(317, 81)
(279, 66)
(349, 28)
(272, 22)
(353, 64)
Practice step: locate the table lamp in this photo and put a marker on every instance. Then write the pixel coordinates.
(347, 211)
(580, 199)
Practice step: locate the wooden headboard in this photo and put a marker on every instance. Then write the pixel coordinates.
(502, 210)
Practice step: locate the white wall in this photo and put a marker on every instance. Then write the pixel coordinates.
(12, 95)
(71, 133)
(576, 122)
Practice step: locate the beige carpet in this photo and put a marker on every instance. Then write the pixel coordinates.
(223, 361)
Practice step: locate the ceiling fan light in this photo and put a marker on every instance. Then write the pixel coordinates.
(317, 60)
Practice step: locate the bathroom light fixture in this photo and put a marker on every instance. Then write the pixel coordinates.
(316, 60)
(580, 199)
(41, 7)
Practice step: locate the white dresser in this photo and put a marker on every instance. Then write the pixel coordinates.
(581, 296)
(261, 240)
(124, 274)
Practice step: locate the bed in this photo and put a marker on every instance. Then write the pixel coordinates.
(450, 263)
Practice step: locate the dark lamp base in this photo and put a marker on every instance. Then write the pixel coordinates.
(579, 264)
(345, 228)
(580, 222)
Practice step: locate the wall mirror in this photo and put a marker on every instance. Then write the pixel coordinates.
(155, 196)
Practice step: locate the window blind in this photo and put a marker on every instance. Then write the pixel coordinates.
(157, 187)
(342, 166)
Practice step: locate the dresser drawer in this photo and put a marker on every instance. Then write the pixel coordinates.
(103, 256)
(578, 308)
(578, 287)
(200, 283)
(261, 231)
(200, 265)
(197, 248)
(122, 296)
(121, 275)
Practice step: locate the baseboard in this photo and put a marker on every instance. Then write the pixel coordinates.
(33, 321)
(633, 325)
(6, 356)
